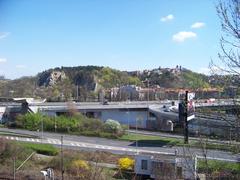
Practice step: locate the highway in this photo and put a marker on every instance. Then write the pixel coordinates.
(114, 146)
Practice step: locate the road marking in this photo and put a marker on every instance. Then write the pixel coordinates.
(17, 138)
(12, 138)
(58, 142)
(99, 146)
(32, 140)
(54, 142)
(28, 139)
(108, 147)
(123, 149)
(73, 144)
(7, 137)
(37, 140)
(84, 145)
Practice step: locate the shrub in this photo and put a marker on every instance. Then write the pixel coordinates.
(112, 126)
(126, 163)
(77, 124)
(29, 121)
(80, 168)
(80, 164)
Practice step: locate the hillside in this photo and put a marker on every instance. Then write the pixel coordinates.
(175, 78)
(85, 82)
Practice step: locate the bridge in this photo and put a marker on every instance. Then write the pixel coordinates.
(141, 114)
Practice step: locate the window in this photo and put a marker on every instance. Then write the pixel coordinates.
(144, 165)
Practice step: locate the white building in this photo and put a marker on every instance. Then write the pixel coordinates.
(165, 166)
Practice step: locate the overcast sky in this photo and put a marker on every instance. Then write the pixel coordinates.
(36, 35)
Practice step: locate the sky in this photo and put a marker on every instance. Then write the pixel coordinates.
(36, 35)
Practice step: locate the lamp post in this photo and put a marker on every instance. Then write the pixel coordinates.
(42, 129)
(128, 120)
(136, 136)
(39, 111)
(148, 91)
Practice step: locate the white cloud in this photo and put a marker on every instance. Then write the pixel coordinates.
(197, 25)
(20, 66)
(3, 60)
(183, 35)
(167, 18)
(4, 34)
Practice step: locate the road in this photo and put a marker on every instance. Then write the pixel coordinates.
(115, 146)
(177, 136)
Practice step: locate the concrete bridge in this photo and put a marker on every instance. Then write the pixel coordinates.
(140, 114)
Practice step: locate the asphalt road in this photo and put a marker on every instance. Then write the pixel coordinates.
(177, 136)
(115, 146)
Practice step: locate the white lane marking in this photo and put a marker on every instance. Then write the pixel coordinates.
(123, 149)
(84, 145)
(32, 140)
(28, 139)
(109, 147)
(99, 146)
(54, 142)
(49, 141)
(37, 140)
(12, 138)
(58, 142)
(7, 137)
(72, 144)
(17, 138)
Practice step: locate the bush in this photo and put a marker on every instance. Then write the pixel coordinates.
(112, 126)
(80, 164)
(29, 121)
(126, 163)
(77, 124)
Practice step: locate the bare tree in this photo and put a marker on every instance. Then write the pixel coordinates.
(229, 14)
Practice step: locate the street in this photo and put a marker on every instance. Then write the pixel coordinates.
(114, 146)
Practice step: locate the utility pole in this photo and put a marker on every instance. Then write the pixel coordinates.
(14, 168)
(148, 91)
(77, 93)
(136, 136)
(62, 157)
(185, 119)
(42, 129)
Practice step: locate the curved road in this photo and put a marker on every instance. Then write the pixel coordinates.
(114, 146)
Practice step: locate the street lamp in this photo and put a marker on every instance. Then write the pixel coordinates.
(42, 129)
(39, 111)
(128, 120)
(136, 136)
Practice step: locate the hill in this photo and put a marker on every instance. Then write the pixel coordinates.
(85, 82)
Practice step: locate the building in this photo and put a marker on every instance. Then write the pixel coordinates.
(162, 166)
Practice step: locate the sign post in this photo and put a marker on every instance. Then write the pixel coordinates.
(185, 119)
(186, 111)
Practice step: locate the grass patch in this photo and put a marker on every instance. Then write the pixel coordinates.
(215, 146)
(45, 149)
(218, 166)
(148, 140)
(4, 133)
